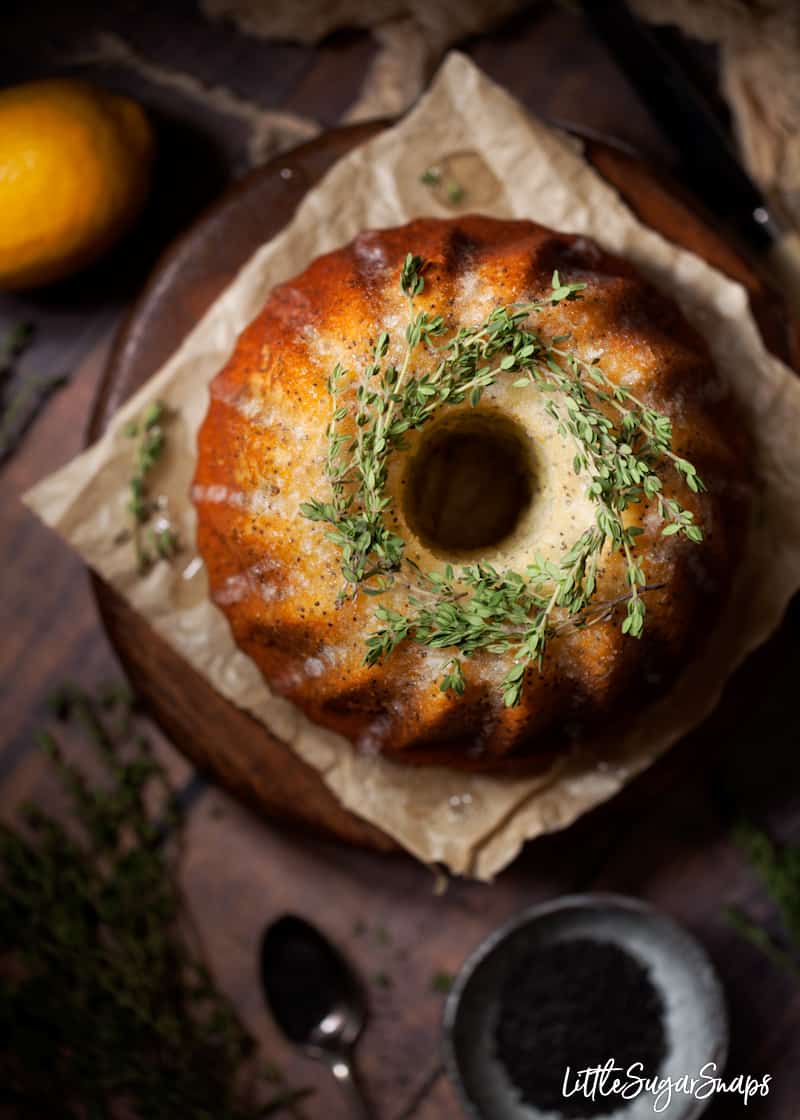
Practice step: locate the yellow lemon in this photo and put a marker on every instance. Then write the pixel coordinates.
(75, 167)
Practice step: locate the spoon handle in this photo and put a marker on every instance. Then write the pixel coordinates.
(342, 1070)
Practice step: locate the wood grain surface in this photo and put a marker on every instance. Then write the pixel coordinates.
(664, 839)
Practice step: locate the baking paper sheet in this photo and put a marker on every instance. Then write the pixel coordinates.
(520, 168)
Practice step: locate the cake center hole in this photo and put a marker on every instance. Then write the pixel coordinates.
(469, 482)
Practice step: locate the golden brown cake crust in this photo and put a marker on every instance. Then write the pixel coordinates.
(261, 451)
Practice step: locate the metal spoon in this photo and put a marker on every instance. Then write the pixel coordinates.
(315, 999)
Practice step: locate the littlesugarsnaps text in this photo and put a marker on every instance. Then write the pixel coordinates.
(611, 1080)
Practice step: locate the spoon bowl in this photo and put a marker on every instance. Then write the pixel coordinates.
(315, 998)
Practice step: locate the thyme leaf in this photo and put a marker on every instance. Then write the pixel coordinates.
(454, 191)
(442, 982)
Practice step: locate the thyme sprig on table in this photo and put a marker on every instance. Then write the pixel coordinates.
(22, 395)
(150, 543)
(620, 444)
(107, 1007)
(778, 867)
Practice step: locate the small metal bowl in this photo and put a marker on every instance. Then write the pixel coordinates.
(695, 1015)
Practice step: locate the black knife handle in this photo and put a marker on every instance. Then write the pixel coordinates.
(710, 165)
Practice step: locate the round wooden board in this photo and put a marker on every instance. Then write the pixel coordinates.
(219, 738)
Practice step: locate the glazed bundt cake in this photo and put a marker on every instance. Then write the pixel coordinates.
(467, 488)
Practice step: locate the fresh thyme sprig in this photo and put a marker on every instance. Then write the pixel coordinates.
(107, 1006)
(620, 445)
(22, 396)
(160, 542)
(778, 866)
(12, 345)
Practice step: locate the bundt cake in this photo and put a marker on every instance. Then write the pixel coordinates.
(467, 488)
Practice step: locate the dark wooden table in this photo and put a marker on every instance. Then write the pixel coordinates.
(665, 839)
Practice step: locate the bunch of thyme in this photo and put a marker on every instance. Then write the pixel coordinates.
(106, 1006)
(150, 543)
(619, 443)
(778, 866)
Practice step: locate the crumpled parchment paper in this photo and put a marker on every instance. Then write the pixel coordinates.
(518, 167)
